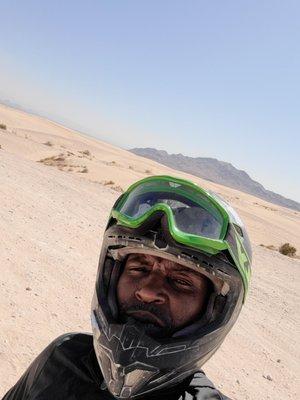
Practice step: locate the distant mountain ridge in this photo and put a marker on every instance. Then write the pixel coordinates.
(216, 171)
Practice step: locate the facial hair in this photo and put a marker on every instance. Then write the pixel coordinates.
(149, 327)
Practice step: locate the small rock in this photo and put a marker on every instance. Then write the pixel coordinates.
(267, 377)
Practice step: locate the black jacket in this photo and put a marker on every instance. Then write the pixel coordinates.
(68, 370)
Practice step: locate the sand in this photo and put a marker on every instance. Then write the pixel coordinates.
(52, 217)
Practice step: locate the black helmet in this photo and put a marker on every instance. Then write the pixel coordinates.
(148, 219)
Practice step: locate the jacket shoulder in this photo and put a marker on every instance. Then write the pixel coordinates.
(63, 344)
(201, 388)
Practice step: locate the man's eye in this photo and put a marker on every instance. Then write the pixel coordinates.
(138, 269)
(181, 282)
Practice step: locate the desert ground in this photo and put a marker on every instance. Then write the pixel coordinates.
(56, 190)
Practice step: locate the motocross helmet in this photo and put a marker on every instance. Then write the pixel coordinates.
(177, 220)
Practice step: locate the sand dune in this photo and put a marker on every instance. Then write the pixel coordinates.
(52, 216)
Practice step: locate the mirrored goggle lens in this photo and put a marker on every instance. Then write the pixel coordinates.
(192, 211)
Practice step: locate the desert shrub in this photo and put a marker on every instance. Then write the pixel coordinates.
(59, 158)
(58, 161)
(110, 162)
(85, 152)
(3, 126)
(117, 188)
(148, 171)
(287, 250)
(84, 170)
(48, 143)
(107, 183)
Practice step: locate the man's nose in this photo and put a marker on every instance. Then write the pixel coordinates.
(151, 289)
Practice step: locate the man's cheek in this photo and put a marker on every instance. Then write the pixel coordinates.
(124, 290)
(181, 312)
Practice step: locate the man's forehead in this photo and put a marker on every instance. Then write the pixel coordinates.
(151, 259)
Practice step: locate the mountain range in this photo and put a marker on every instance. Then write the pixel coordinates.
(216, 171)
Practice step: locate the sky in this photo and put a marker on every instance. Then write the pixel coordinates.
(203, 78)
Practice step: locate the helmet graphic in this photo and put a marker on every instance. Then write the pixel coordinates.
(177, 220)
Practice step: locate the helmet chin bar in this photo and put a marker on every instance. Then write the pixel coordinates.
(122, 382)
(134, 364)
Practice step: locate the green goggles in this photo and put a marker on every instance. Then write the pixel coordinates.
(195, 218)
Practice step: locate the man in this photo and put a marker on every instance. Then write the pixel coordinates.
(173, 274)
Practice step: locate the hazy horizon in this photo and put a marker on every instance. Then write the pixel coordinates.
(19, 107)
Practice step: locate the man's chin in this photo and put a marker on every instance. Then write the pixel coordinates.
(150, 329)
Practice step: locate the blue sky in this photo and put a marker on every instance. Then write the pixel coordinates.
(203, 78)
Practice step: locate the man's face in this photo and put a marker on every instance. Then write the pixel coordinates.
(161, 294)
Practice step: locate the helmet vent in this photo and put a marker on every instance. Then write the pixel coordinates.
(190, 256)
(124, 237)
(198, 260)
(134, 238)
(159, 241)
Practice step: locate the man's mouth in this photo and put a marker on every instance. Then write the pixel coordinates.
(146, 316)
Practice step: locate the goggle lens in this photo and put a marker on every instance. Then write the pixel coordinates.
(192, 211)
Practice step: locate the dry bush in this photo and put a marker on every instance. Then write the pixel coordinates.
(107, 183)
(117, 188)
(0, 147)
(3, 126)
(287, 250)
(130, 167)
(148, 171)
(110, 163)
(85, 152)
(55, 161)
(48, 143)
(84, 170)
